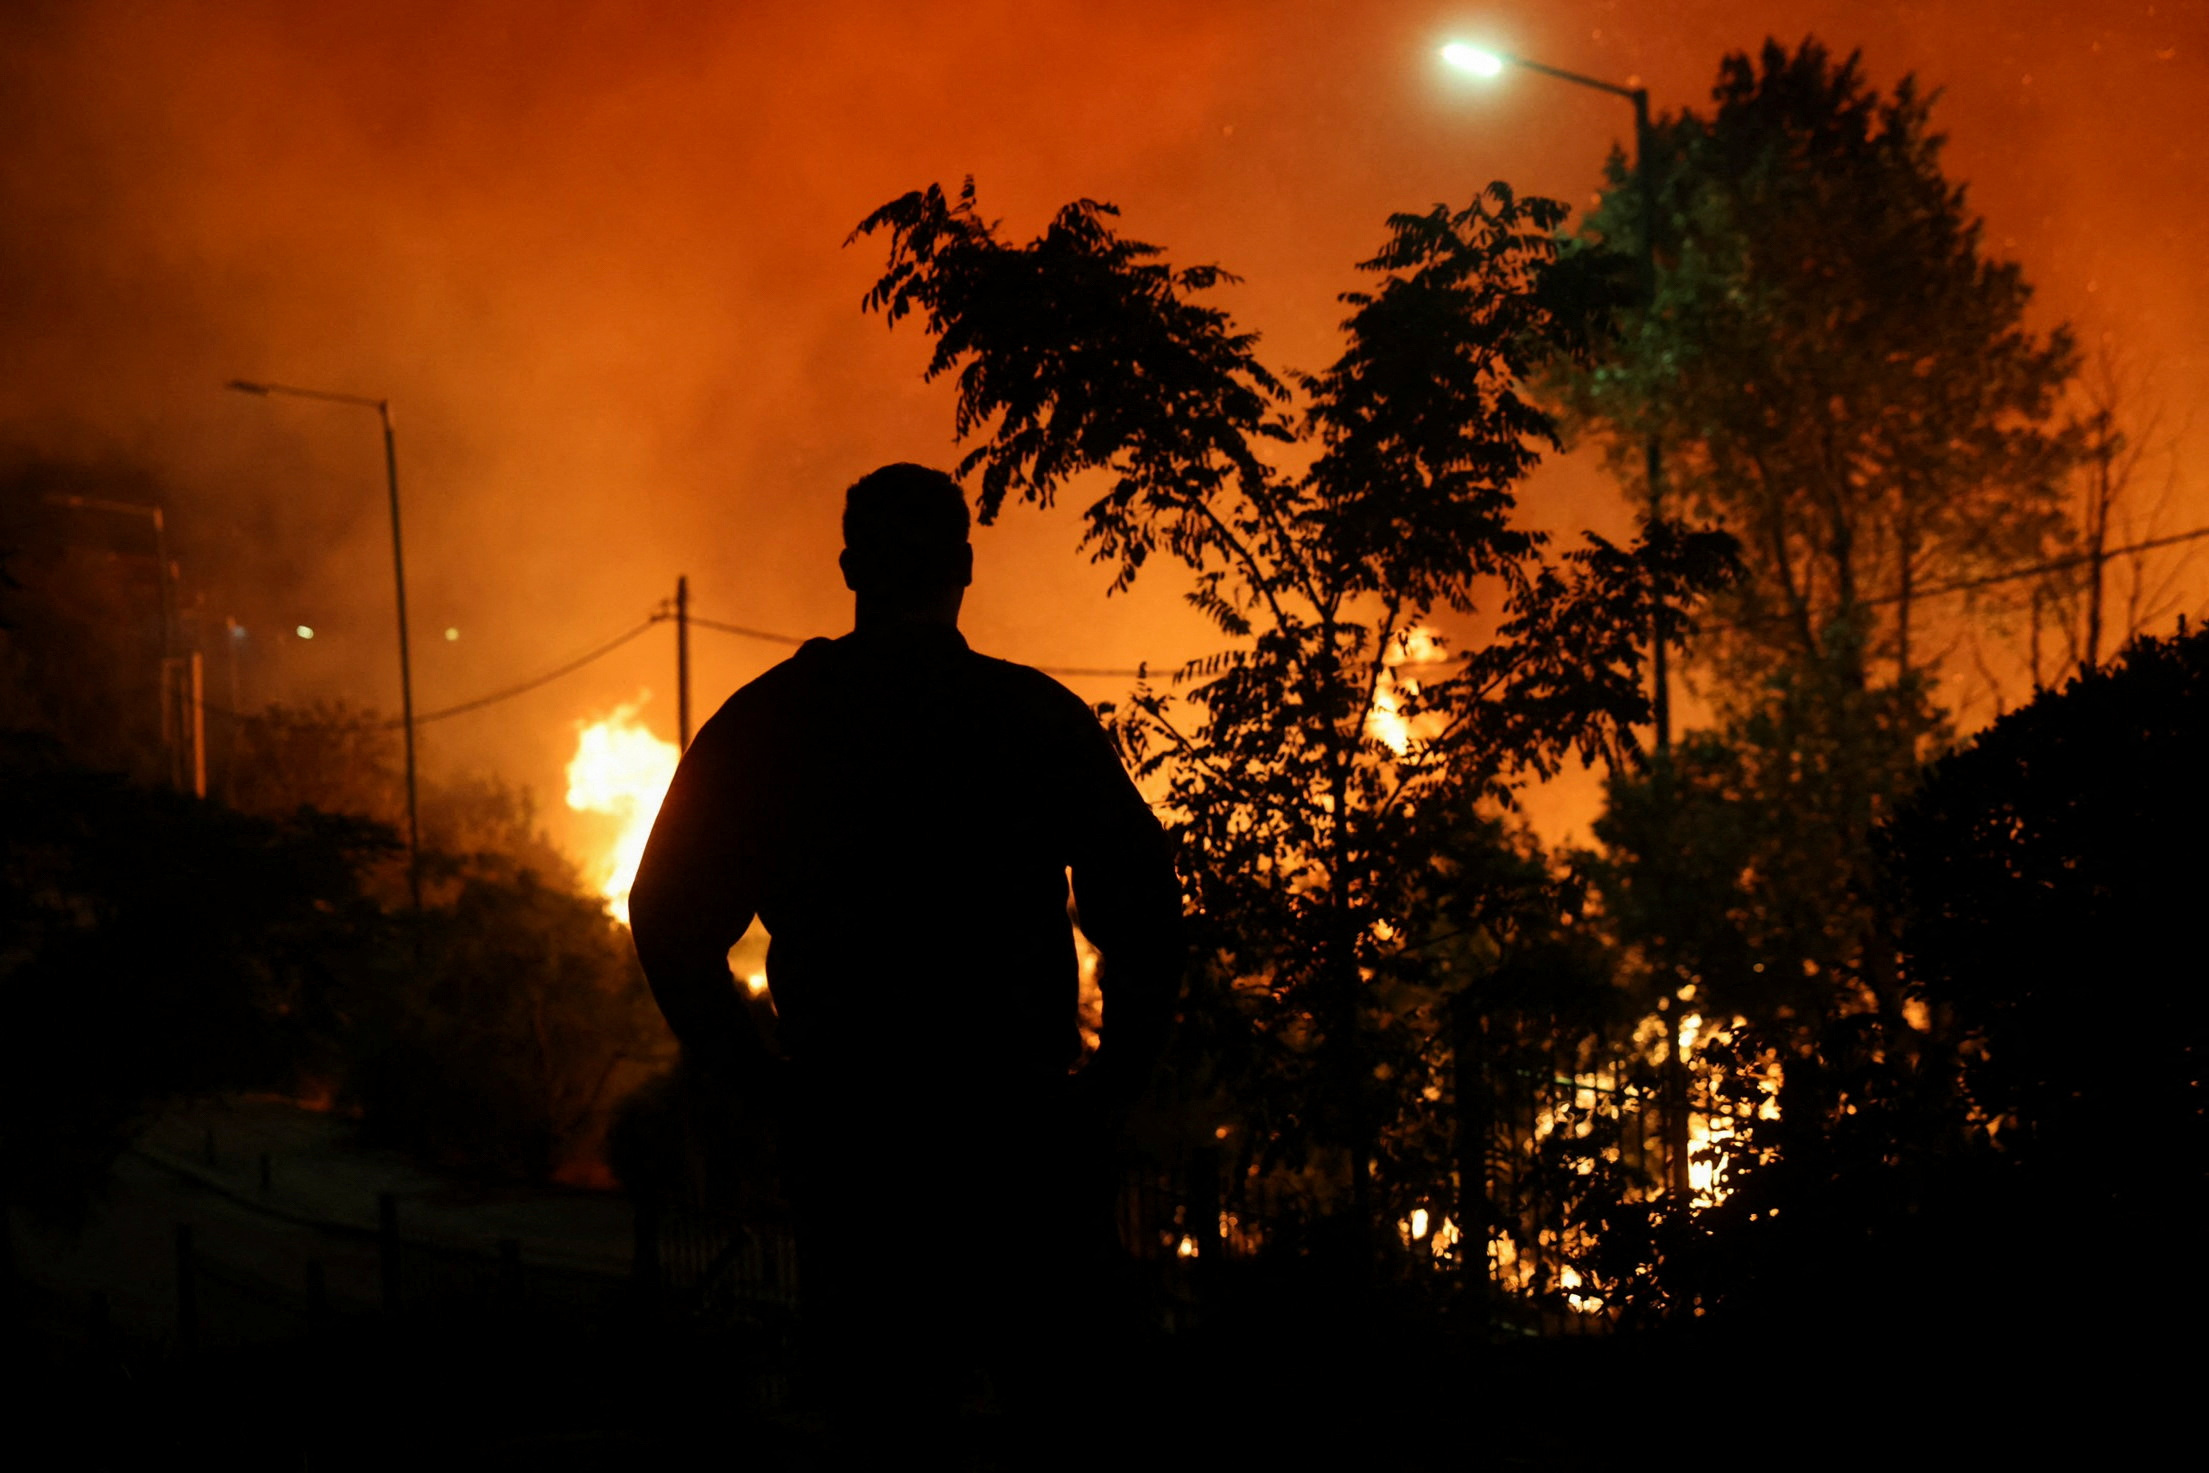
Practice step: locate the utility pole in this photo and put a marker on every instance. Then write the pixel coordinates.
(406, 665)
(233, 635)
(682, 663)
(2104, 451)
(1652, 448)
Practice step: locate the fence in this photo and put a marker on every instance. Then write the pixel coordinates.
(714, 1272)
(1530, 1134)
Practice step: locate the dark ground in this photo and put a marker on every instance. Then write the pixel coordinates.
(573, 1370)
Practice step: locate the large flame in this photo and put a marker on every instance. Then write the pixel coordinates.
(622, 770)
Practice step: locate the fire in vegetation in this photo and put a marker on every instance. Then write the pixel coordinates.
(622, 770)
(1410, 654)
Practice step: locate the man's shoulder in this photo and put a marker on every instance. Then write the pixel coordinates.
(1032, 688)
(770, 695)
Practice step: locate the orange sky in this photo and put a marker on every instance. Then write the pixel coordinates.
(594, 255)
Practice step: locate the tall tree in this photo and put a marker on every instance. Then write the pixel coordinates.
(1326, 769)
(1842, 376)
(1839, 372)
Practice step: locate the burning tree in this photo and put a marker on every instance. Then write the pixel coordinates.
(1336, 771)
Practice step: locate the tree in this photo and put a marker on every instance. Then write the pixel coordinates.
(2120, 440)
(152, 946)
(506, 1051)
(2008, 1159)
(1837, 370)
(1843, 377)
(2056, 942)
(1327, 771)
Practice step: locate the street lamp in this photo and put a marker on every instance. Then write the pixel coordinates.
(1484, 63)
(1481, 62)
(399, 573)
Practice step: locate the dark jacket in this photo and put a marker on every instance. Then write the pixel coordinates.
(903, 815)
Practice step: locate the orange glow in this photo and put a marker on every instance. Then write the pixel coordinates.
(622, 770)
(1408, 652)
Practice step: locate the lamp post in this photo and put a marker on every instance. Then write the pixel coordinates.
(1484, 63)
(399, 574)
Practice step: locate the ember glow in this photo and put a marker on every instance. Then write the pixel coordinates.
(622, 770)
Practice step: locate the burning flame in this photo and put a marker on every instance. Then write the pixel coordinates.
(622, 770)
(1411, 650)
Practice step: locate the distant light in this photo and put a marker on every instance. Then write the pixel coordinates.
(237, 631)
(756, 983)
(304, 632)
(1472, 59)
(452, 634)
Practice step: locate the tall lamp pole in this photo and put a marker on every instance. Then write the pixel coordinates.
(399, 574)
(1484, 63)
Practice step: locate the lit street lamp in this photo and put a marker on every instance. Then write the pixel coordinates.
(1480, 62)
(399, 572)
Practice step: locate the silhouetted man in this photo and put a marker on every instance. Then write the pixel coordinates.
(903, 816)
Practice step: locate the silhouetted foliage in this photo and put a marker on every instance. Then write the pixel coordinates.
(1841, 375)
(506, 1051)
(2007, 1155)
(1741, 867)
(331, 756)
(1327, 770)
(1837, 370)
(2049, 875)
(154, 945)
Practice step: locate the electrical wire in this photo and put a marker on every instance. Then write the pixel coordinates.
(395, 723)
(1988, 580)
(1137, 672)
(529, 685)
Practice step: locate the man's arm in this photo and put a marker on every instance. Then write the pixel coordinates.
(695, 895)
(1129, 903)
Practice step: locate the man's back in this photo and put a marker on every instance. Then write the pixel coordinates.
(902, 814)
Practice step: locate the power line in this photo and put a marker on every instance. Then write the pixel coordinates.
(545, 679)
(769, 636)
(738, 629)
(1988, 580)
(464, 707)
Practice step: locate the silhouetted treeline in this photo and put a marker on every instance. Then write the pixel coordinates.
(154, 944)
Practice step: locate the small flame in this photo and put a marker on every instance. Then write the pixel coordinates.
(622, 770)
(1409, 650)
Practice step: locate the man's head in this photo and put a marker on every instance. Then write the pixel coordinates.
(905, 541)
